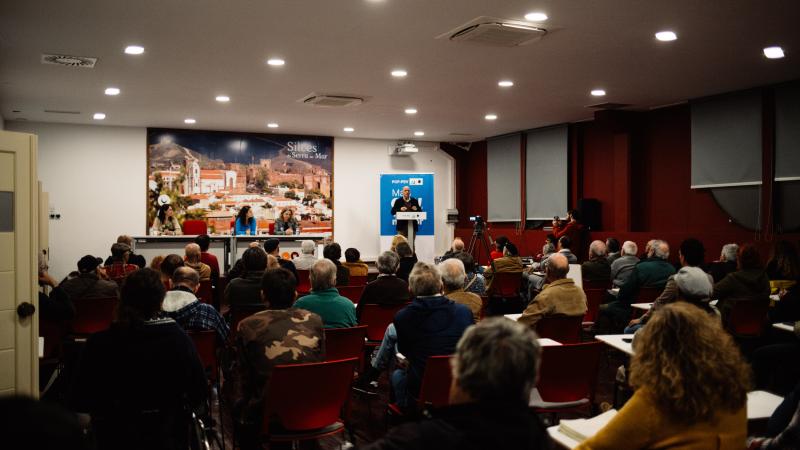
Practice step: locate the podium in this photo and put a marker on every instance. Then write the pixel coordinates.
(410, 217)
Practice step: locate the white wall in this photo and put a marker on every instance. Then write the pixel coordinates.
(358, 164)
(96, 177)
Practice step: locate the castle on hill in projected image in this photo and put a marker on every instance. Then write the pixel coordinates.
(210, 175)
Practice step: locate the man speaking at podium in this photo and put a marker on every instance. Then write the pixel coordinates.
(406, 203)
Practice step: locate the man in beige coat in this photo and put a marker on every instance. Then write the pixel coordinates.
(560, 295)
(453, 278)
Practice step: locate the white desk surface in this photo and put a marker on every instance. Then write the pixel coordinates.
(643, 306)
(547, 342)
(562, 439)
(783, 326)
(761, 404)
(616, 341)
(512, 316)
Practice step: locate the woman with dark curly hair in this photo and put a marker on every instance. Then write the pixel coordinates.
(690, 384)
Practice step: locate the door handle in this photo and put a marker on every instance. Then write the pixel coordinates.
(25, 309)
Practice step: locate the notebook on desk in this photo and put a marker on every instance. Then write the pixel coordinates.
(582, 429)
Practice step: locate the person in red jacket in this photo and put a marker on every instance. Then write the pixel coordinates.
(572, 227)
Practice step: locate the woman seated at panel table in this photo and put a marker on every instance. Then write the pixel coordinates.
(245, 222)
(690, 384)
(286, 223)
(166, 223)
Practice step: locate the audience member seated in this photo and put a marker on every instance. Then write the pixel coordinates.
(182, 305)
(499, 247)
(784, 263)
(597, 268)
(272, 247)
(282, 334)
(454, 277)
(783, 429)
(750, 282)
(647, 249)
(653, 272)
(456, 247)
(494, 370)
(398, 238)
(168, 266)
(353, 263)
(324, 300)
(788, 308)
(476, 283)
(139, 378)
(572, 229)
(407, 260)
(39, 425)
(57, 306)
(192, 260)
(548, 248)
(132, 257)
(622, 267)
(559, 297)
(613, 248)
(155, 263)
(690, 386)
(510, 262)
(204, 241)
(698, 285)
(431, 325)
(246, 289)
(237, 269)
(91, 281)
(306, 258)
(388, 288)
(776, 366)
(119, 267)
(726, 264)
(333, 253)
(536, 281)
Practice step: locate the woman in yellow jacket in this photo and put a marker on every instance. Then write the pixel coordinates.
(691, 387)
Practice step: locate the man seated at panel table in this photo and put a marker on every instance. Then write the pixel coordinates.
(182, 305)
(622, 267)
(246, 289)
(597, 268)
(560, 296)
(388, 289)
(91, 281)
(336, 311)
(494, 369)
(454, 278)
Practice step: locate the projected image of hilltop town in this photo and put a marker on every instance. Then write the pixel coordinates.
(208, 175)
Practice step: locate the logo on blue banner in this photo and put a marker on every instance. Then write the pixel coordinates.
(391, 187)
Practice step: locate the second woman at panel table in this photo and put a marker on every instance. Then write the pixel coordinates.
(245, 222)
(286, 223)
(166, 222)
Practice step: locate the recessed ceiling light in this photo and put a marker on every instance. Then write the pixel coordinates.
(276, 62)
(134, 49)
(598, 92)
(536, 17)
(112, 91)
(490, 117)
(411, 111)
(505, 83)
(223, 98)
(666, 36)
(272, 125)
(399, 73)
(99, 116)
(349, 129)
(419, 133)
(774, 52)
(190, 121)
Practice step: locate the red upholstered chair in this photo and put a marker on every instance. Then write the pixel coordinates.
(564, 329)
(351, 292)
(434, 391)
(304, 283)
(193, 227)
(344, 343)
(357, 280)
(93, 314)
(747, 318)
(299, 407)
(205, 293)
(594, 284)
(594, 297)
(377, 318)
(567, 377)
(205, 342)
(271, 228)
(506, 284)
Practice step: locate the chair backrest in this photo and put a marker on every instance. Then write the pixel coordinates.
(377, 318)
(648, 294)
(194, 227)
(205, 342)
(564, 329)
(569, 372)
(241, 312)
(435, 388)
(594, 297)
(357, 280)
(344, 343)
(303, 282)
(747, 317)
(596, 284)
(351, 292)
(271, 228)
(205, 292)
(308, 396)
(506, 284)
(93, 314)
(53, 332)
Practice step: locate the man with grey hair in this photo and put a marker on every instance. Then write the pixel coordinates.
(560, 295)
(454, 277)
(324, 300)
(726, 264)
(597, 268)
(623, 266)
(132, 257)
(455, 248)
(430, 326)
(494, 370)
(306, 259)
(192, 259)
(388, 289)
(182, 305)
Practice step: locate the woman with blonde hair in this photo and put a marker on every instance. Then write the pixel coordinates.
(396, 240)
(690, 384)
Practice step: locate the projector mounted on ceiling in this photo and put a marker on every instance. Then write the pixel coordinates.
(405, 148)
(331, 101)
(495, 32)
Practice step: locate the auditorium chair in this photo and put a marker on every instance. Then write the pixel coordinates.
(205, 293)
(345, 343)
(648, 294)
(567, 378)
(560, 328)
(377, 318)
(434, 391)
(205, 342)
(194, 227)
(747, 318)
(357, 280)
(351, 292)
(299, 407)
(303, 282)
(504, 294)
(241, 312)
(92, 315)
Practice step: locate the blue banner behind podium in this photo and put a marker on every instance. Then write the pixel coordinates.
(391, 186)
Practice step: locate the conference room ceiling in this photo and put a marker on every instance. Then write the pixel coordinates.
(196, 50)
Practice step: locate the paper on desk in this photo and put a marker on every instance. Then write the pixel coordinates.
(582, 429)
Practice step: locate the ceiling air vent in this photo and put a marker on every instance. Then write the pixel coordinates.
(70, 61)
(608, 105)
(59, 111)
(495, 32)
(331, 101)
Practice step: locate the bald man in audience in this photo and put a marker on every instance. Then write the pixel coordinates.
(182, 305)
(597, 268)
(454, 277)
(192, 260)
(559, 296)
(456, 248)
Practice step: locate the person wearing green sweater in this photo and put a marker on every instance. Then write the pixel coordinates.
(336, 311)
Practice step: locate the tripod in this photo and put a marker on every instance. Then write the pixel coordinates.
(479, 234)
